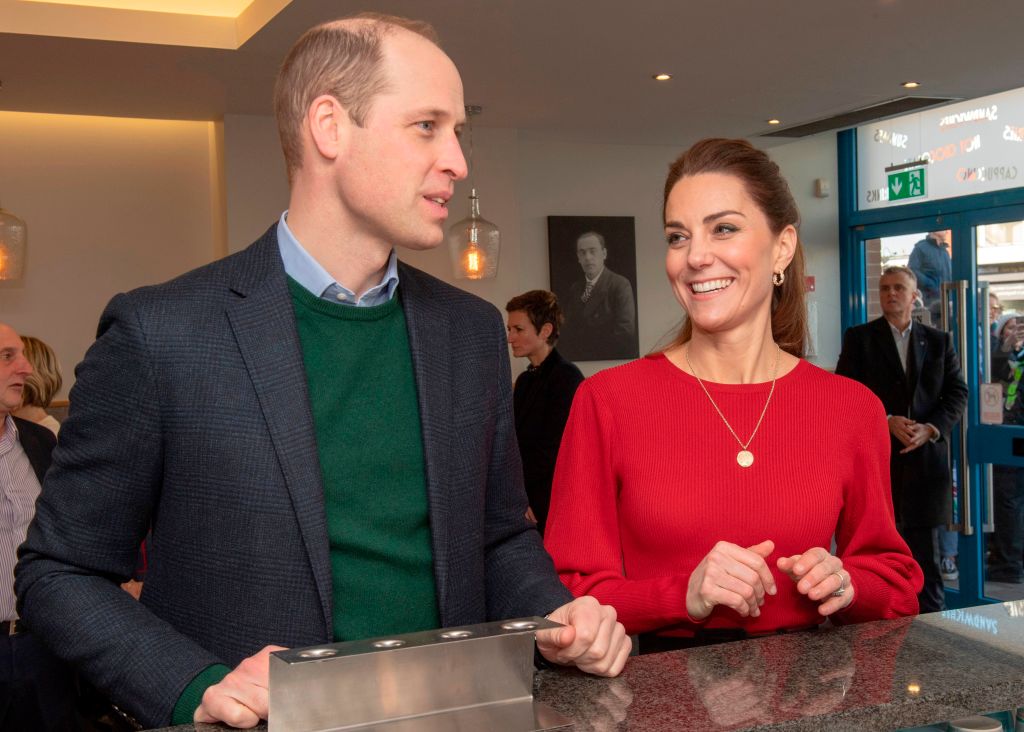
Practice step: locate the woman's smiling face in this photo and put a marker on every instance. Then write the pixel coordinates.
(722, 252)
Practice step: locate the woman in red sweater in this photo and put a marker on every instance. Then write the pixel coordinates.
(698, 490)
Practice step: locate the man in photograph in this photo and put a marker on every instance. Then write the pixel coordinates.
(600, 311)
(284, 420)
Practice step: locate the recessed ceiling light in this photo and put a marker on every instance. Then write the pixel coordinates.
(662, 77)
(774, 121)
(911, 84)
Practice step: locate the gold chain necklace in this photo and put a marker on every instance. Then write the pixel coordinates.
(744, 457)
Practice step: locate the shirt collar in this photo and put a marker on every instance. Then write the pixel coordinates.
(304, 269)
(900, 333)
(10, 435)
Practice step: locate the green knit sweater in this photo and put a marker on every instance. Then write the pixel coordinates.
(367, 420)
(368, 434)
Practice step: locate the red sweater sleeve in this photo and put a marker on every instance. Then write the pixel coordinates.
(582, 533)
(884, 574)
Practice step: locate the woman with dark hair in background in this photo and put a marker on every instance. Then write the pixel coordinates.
(543, 393)
(698, 490)
(42, 385)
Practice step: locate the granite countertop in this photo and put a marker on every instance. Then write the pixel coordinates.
(873, 676)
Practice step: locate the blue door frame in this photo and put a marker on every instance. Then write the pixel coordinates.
(986, 444)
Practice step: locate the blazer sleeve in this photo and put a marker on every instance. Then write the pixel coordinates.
(952, 399)
(91, 517)
(850, 356)
(520, 577)
(885, 577)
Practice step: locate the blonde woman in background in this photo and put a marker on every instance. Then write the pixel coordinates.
(42, 385)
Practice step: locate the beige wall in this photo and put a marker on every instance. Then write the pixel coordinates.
(524, 177)
(257, 184)
(111, 204)
(802, 162)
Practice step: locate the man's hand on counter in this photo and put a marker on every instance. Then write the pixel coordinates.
(240, 699)
(592, 639)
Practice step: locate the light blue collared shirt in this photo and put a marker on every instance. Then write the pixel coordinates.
(301, 267)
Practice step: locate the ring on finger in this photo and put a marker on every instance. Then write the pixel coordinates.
(842, 584)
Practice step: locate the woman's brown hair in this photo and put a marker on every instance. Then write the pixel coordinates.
(766, 186)
(42, 385)
(540, 306)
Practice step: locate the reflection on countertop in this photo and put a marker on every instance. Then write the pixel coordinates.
(873, 676)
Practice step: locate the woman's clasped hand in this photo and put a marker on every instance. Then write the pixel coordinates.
(740, 578)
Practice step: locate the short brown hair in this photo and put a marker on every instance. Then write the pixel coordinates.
(764, 183)
(42, 385)
(338, 58)
(540, 307)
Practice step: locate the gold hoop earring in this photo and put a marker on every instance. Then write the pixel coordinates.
(778, 278)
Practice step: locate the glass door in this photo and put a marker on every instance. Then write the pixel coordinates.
(996, 431)
(970, 269)
(928, 248)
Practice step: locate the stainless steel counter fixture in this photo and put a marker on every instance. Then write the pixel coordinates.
(475, 677)
(860, 678)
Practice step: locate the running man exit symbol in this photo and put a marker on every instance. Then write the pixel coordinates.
(906, 184)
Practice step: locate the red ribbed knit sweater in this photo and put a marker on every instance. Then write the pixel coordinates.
(647, 482)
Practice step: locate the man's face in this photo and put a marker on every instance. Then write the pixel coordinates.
(591, 255)
(896, 292)
(995, 308)
(395, 175)
(14, 369)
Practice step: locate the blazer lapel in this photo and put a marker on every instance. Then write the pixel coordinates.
(428, 325)
(263, 322)
(37, 453)
(919, 343)
(887, 346)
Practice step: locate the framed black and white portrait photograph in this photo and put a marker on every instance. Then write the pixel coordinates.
(593, 272)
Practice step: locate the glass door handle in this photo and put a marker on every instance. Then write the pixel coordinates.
(985, 319)
(958, 288)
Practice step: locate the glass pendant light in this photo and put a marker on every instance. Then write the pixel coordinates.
(474, 242)
(13, 234)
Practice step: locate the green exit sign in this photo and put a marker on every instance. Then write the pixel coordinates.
(906, 184)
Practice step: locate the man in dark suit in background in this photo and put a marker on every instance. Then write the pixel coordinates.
(320, 436)
(36, 689)
(600, 312)
(913, 369)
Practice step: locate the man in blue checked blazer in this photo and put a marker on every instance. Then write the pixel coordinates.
(320, 437)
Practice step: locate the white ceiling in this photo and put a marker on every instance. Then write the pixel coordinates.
(578, 69)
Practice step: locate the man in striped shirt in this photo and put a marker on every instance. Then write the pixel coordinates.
(36, 689)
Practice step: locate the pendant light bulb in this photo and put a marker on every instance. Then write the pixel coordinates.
(474, 242)
(13, 236)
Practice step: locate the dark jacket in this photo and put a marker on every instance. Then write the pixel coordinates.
(933, 392)
(930, 263)
(542, 399)
(603, 327)
(37, 442)
(191, 413)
